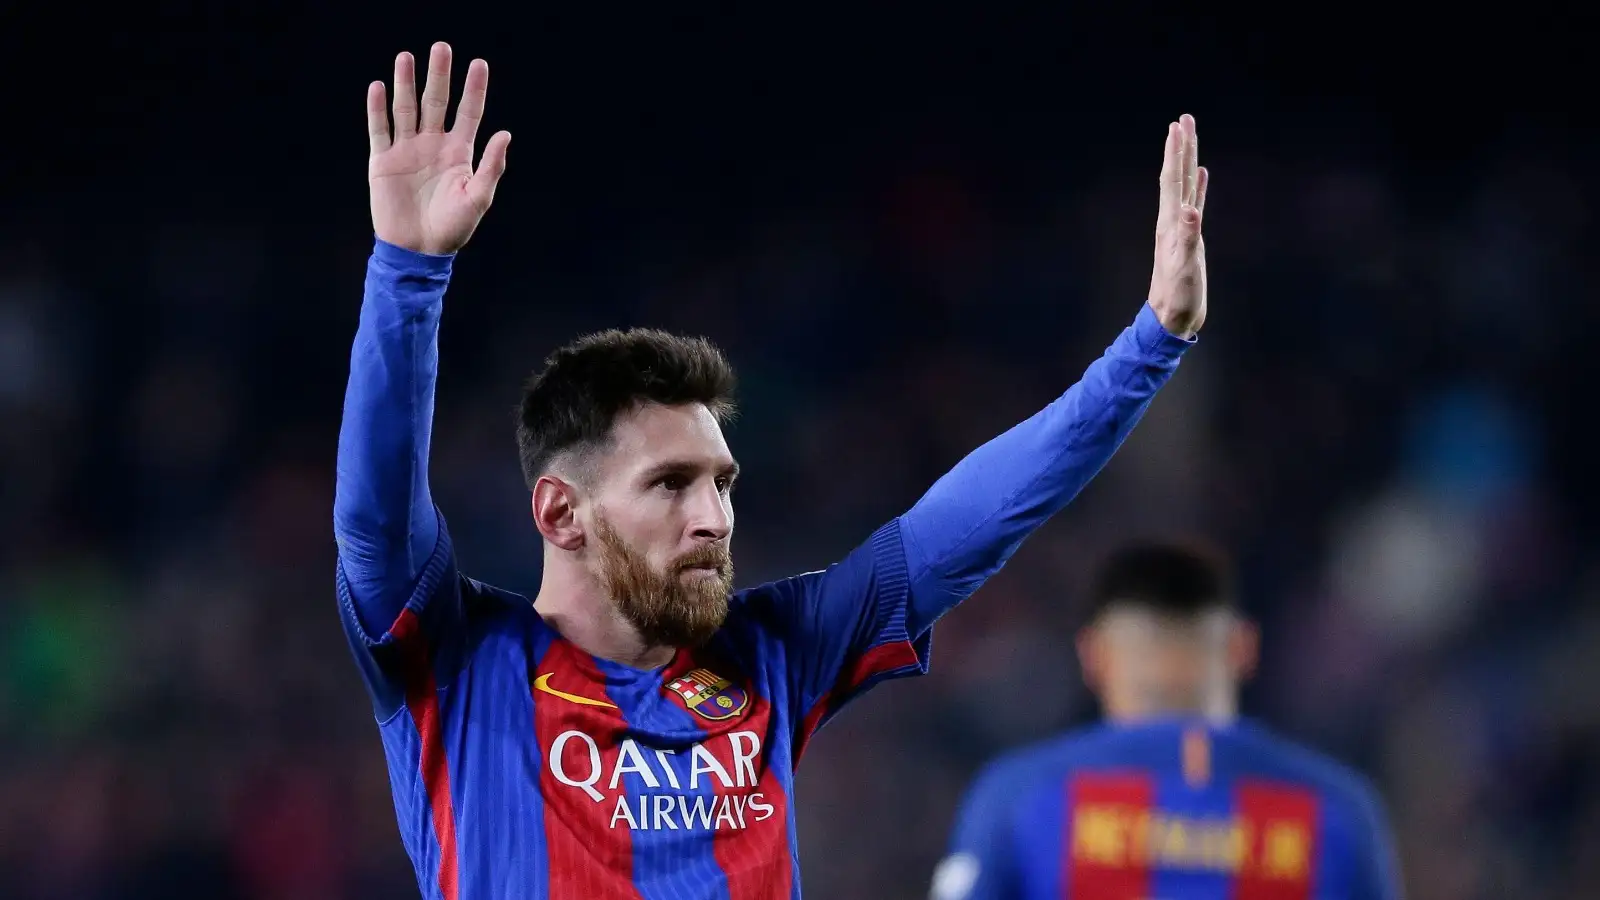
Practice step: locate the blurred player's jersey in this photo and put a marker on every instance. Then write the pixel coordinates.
(1169, 810)
(584, 778)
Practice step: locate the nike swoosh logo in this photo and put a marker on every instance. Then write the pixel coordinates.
(542, 684)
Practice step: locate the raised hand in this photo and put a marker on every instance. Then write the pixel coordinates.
(1178, 279)
(425, 195)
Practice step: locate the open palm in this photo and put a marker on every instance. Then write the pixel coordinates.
(1178, 279)
(425, 194)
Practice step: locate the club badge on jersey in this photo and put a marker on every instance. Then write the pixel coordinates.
(709, 695)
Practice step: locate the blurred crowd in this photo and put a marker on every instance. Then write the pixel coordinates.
(1384, 422)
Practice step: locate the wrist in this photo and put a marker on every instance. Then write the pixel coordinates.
(407, 260)
(1182, 324)
(1155, 336)
(413, 240)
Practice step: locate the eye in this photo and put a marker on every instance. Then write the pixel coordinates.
(673, 483)
(725, 484)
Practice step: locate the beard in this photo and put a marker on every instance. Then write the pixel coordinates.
(667, 609)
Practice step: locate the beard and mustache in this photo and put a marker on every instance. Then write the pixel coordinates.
(667, 609)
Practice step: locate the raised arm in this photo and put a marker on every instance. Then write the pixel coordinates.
(868, 617)
(426, 201)
(970, 522)
(384, 520)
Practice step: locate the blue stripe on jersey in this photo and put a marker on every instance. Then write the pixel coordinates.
(1329, 833)
(1338, 838)
(669, 863)
(1213, 802)
(792, 826)
(1041, 845)
(500, 799)
(402, 745)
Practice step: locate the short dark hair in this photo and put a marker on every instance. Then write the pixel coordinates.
(574, 401)
(1169, 578)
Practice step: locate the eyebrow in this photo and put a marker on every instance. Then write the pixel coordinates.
(683, 467)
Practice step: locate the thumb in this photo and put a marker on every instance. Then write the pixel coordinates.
(493, 165)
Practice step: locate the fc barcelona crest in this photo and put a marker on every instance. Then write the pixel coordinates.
(709, 695)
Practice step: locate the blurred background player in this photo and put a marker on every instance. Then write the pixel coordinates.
(1173, 795)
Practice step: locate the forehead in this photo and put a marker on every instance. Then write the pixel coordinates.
(651, 435)
(1143, 624)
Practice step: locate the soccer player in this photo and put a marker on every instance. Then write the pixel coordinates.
(634, 730)
(1174, 796)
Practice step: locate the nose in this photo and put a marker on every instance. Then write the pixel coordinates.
(712, 516)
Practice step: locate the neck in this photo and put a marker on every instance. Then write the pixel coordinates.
(1216, 705)
(575, 603)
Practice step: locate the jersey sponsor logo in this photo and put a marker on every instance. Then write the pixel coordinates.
(542, 685)
(575, 760)
(709, 695)
(1119, 836)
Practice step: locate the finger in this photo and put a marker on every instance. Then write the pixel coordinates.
(436, 95)
(1189, 222)
(405, 96)
(1200, 191)
(1171, 177)
(1190, 157)
(493, 165)
(470, 113)
(377, 117)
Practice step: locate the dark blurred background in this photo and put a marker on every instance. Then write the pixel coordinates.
(909, 231)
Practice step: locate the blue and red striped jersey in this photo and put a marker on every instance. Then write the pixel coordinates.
(523, 767)
(1174, 810)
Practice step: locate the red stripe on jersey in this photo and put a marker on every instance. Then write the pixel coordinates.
(587, 856)
(876, 661)
(808, 727)
(1108, 822)
(422, 699)
(754, 857)
(880, 659)
(1281, 825)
